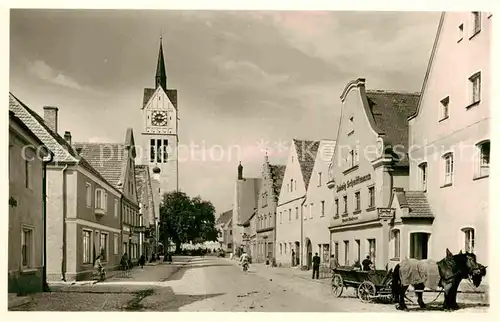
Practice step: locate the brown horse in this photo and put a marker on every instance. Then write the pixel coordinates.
(447, 273)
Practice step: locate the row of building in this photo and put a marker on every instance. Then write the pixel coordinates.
(70, 202)
(406, 176)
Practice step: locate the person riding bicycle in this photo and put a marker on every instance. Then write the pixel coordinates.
(244, 259)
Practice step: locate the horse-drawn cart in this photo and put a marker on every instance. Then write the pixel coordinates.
(367, 284)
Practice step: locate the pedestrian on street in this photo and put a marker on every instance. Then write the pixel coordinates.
(316, 261)
(333, 263)
(142, 261)
(124, 262)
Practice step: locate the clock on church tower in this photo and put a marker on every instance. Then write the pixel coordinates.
(159, 136)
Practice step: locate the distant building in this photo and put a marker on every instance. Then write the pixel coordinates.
(291, 209)
(224, 225)
(147, 210)
(246, 193)
(320, 204)
(370, 160)
(272, 177)
(116, 163)
(250, 233)
(26, 200)
(83, 208)
(449, 136)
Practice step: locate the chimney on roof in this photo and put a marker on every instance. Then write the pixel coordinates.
(67, 137)
(50, 117)
(240, 172)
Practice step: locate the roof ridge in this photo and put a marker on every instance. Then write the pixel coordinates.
(388, 91)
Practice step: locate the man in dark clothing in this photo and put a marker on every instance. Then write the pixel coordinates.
(315, 261)
(367, 263)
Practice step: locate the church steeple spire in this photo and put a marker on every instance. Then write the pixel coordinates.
(161, 74)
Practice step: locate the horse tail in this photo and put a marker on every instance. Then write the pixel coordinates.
(396, 283)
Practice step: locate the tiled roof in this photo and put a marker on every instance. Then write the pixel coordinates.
(306, 153)
(277, 174)
(63, 152)
(225, 217)
(148, 92)
(390, 111)
(416, 202)
(107, 158)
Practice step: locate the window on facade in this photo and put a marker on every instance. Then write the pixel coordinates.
(269, 221)
(116, 208)
(104, 246)
(158, 150)
(346, 252)
(152, 149)
(28, 174)
(281, 217)
(311, 210)
(484, 159)
(357, 200)
(460, 32)
(371, 194)
(322, 208)
(101, 199)
(475, 88)
(423, 176)
(448, 168)
(285, 248)
(358, 250)
(336, 244)
(27, 247)
(289, 214)
(468, 239)
(165, 151)
(372, 249)
(230, 232)
(291, 184)
(476, 22)
(88, 193)
(336, 206)
(345, 204)
(281, 249)
(397, 243)
(319, 179)
(445, 112)
(115, 244)
(87, 243)
(296, 212)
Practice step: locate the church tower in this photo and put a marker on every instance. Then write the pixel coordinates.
(160, 124)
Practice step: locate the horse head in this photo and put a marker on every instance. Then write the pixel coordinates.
(469, 267)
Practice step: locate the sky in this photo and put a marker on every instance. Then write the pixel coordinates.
(247, 81)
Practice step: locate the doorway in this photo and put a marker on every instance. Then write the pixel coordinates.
(309, 253)
(419, 243)
(297, 253)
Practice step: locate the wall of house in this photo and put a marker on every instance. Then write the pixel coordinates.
(316, 228)
(266, 217)
(351, 225)
(431, 136)
(27, 212)
(288, 222)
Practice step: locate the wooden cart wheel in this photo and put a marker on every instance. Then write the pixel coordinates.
(366, 291)
(337, 285)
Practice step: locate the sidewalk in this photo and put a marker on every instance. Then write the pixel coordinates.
(15, 301)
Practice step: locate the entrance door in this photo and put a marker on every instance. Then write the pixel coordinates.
(309, 253)
(297, 253)
(419, 245)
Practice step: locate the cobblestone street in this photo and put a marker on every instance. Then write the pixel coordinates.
(213, 284)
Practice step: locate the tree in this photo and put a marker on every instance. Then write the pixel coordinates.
(184, 220)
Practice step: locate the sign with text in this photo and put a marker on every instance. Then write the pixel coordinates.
(386, 213)
(353, 182)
